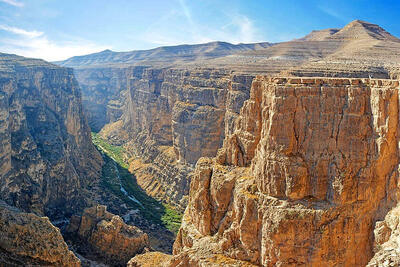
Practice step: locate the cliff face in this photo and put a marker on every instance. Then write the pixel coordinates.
(310, 167)
(29, 240)
(172, 117)
(46, 154)
(103, 94)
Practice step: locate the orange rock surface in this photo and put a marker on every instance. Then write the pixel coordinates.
(106, 236)
(310, 168)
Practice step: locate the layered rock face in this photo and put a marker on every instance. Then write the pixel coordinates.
(46, 155)
(172, 117)
(106, 236)
(310, 167)
(181, 108)
(103, 94)
(30, 240)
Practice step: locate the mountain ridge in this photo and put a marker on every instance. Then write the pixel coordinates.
(178, 52)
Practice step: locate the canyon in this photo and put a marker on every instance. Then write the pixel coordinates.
(265, 154)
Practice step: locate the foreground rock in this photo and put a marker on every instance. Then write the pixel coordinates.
(387, 240)
(311, 166)
(29, 240)
(150, 259)
(102, 235)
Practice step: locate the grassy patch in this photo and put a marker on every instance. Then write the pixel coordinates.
(116, 166)
(115, 152)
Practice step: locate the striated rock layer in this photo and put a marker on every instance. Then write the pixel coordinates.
(103, 91)
(29, 240)
(171, 118)
(105, 236)
(310, 167)
(46, 154)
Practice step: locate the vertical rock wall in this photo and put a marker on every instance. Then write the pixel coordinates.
(47, 157)
(171, 118)
(310, 167)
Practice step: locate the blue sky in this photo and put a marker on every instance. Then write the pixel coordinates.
(58, 29)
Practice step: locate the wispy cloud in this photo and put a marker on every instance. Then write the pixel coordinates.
(238, 28)
(22, 32)
(186, 11)
(36, 44)
(13, 3)
(241, 29)
(333, 13)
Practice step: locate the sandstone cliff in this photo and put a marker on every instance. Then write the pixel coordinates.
(311, 166)
(103, 94)
(172, 117)
(29, 240)
(103, 235)
(46, 155)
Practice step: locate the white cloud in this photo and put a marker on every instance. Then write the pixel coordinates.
(13, 3)
(14, 30)
(241, 29)
(37, 45)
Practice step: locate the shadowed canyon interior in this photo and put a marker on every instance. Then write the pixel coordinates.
(266, 154)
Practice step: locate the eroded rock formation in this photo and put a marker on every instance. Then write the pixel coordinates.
(103, 235)
(149, 259)
(171, 118)
(311, 166)
(386, 240)
(30, 240)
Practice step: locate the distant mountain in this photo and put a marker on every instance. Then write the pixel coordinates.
(359, 49)
(179, 53)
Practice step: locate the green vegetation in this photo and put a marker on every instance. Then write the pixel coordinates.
(114, 152)
(115, 173)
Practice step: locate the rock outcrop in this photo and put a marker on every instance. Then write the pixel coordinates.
(310, 167)
(149, 259)
(387, 240)
(46, 155)
(103, 235)
(30, 240)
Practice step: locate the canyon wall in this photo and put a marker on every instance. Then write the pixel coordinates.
(310, 167)
(46, 155)
(103, 94)
(167, 119)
